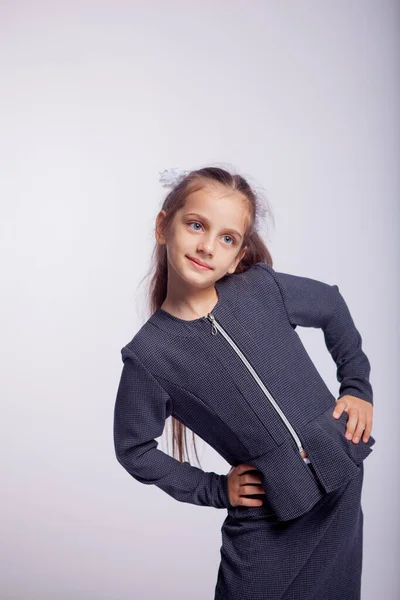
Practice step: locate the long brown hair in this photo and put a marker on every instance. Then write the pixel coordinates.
(256, 251)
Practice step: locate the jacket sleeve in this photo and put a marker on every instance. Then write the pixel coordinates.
(313, 303)
(141, 408)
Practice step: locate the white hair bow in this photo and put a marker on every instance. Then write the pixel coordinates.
(170, 177)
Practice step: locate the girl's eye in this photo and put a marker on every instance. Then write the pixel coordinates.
(226, 236)
(194, 223)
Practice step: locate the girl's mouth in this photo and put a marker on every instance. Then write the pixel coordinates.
(196, 264)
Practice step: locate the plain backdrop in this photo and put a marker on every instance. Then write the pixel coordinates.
(96, 99)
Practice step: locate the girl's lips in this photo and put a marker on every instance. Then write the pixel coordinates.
(198, 265)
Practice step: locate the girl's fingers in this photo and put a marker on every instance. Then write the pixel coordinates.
(243, 467)
(359, 431)
(250, 478)
(251, 489)
(351, 423)
(245, 475)
(368, 429)
(339, 408)
(249, 502)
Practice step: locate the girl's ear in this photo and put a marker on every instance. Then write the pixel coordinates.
(242, 253)
(160, 238)
(232, 269)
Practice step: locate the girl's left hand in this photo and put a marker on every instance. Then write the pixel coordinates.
(360, 417)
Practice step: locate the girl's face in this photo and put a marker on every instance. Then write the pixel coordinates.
(209, 229)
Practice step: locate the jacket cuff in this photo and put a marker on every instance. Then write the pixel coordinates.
(357, 394)
(223, 493)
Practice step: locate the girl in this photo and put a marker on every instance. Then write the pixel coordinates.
(220, 355)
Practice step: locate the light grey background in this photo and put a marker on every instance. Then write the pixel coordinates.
(96, 99)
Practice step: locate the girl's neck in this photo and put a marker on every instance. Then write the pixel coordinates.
(192, 309)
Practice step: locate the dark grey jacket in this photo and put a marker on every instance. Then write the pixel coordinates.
(218, 379)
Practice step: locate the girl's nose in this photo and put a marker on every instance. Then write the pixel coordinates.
(207, 246)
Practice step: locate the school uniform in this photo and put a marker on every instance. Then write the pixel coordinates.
(242, 380)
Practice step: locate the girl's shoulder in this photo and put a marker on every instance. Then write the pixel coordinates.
(298, 293)
(148, 339)
(255, 271)
(284, 279)
(258, 274)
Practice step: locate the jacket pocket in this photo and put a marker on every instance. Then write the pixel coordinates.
(357, 452)
(336, 428)
(335, 459)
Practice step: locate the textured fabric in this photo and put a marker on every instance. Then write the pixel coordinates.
(178, 367)
(317, 556)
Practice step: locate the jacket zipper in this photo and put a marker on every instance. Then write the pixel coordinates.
(217, 327)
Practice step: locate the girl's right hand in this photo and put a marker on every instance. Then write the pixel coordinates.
(239, 480)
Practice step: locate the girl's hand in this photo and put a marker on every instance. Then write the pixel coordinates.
(360, 417)
(239, 480)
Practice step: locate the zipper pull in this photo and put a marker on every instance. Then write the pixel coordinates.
(302, 453)
(211, 318)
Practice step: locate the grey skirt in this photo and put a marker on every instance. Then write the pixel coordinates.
(317, 556)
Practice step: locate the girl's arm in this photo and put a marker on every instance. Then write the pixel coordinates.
(313, 303)
(141, 408)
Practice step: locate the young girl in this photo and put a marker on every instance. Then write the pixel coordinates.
(220, 355)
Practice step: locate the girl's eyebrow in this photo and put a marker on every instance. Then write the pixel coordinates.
(207, 221)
